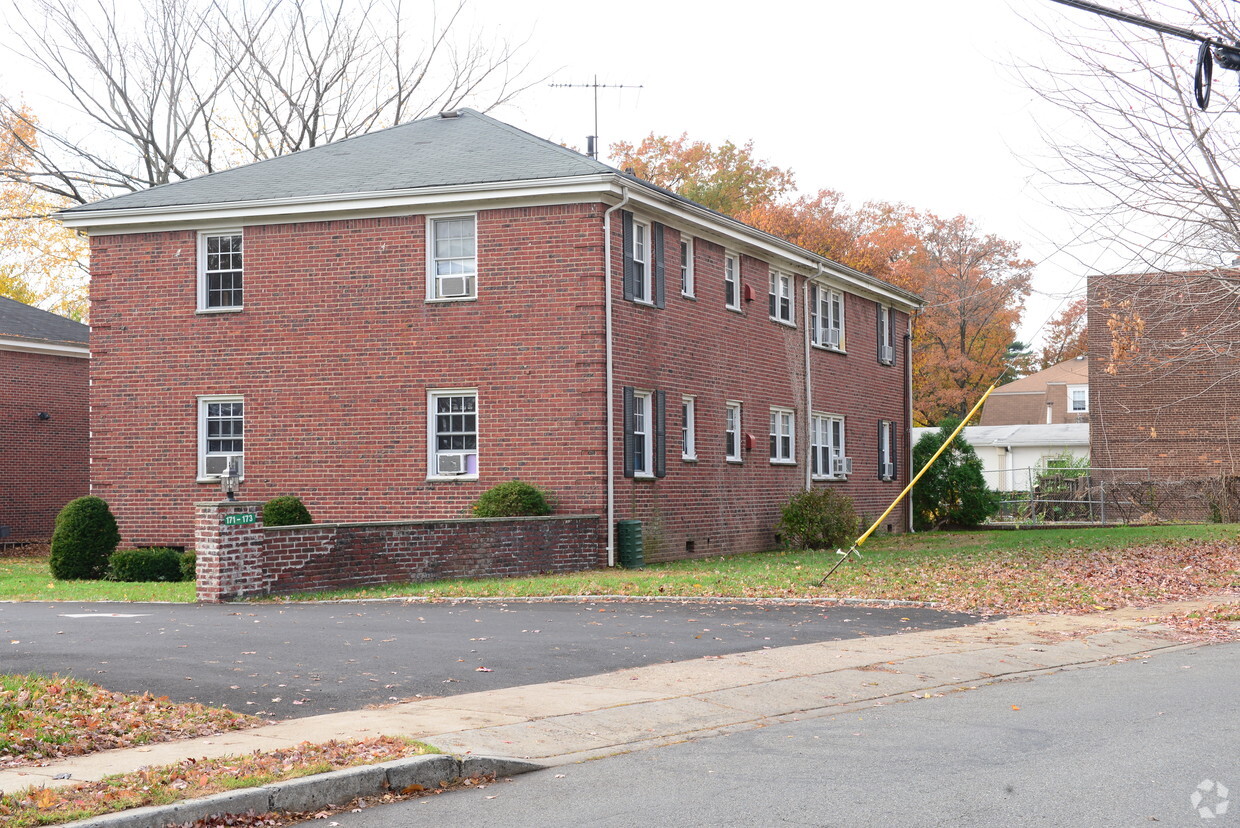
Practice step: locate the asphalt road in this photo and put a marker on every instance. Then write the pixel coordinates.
(285, 661)
(1121, 745)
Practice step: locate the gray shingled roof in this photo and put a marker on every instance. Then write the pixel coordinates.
(18, 321)
(470, 149)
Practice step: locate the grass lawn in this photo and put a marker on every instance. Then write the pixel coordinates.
(24, 576)
(994, 570)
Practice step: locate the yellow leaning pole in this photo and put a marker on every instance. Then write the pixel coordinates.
(853, 550)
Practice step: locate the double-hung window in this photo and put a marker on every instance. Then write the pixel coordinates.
(732, 432)
(220, 271)
(827, 459)
(886, 335)
(645, 433)
(826, 317)
(453, 265)
(783, 440)
(781, 297)
(731, 281)
(1078, 398)
(886, 450)
(686, 265)
(452, 433)
(641, 262)
(688, 428)
(221, 435)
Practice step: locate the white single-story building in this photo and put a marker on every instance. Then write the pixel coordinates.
(1012, 455)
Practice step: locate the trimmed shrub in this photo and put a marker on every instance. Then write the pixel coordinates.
(512, 499)
(953, 492)
(818, 519)
(84, 537)
(189, 566)
(287, 510)
(150, 564)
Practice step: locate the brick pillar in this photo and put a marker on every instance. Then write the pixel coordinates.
(230, 554)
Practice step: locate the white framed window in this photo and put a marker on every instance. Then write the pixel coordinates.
(826, 317)
(781, 297)
(686, 265)
(452, 263)
(886, 450)
(783, 435)
(731, 281)
(641, 262)
(643, 442)
(220, 271)
(221, 435)
(827, 458)
(886, 335)
(1078, 398)
(732, 432)
(688, 428)
(452, 434)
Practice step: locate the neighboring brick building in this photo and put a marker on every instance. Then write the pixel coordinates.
(1172, 405)
(44, 434)
(389, 325)
(1059, 394)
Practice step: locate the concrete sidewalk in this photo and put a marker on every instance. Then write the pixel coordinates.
(567, 721)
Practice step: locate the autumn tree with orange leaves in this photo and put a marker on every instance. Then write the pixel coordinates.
(1065, 335)
(41, 262)
(974, 284)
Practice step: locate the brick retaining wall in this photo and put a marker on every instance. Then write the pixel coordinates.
(236, 561)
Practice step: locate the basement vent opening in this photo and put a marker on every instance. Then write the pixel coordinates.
(688, 547)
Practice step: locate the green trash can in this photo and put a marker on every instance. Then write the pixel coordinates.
(629, 544)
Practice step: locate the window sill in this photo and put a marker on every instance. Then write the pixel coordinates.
(213, 311)
(891, 364)
(215, 480)
(735, 461)
(449, 478)
(689, 458)
(736, 309)
(438, 300)
(643, 476)
(785, 322)
(688, 296)
(783, 462)
(835, 349)
(819, 478)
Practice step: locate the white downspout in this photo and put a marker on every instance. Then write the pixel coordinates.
(611, 394)
(908, 415)
(809, 390)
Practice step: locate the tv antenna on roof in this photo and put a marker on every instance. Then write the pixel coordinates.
(592, 140)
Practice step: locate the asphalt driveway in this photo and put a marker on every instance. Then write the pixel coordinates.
(286, 661)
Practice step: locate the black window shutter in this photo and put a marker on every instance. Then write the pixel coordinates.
(628, 431)
(882, 458)
(660, 434)
(630, 270)
(881, 337)
(660, 258)
(895, 452)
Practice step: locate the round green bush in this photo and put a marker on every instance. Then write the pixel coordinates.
(84, 537)
(287, 510)
(512, 499)
(151, 564)
(818, 519)
(189, 566)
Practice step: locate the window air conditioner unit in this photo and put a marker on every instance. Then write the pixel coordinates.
(453, 286)
(833, 337)
(450, 464)
(889, 471)
(217, 464)
(888, 354)
(841, 466)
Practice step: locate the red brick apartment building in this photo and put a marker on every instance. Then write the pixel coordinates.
(1171, 404)
(44, 434)
(389, 325)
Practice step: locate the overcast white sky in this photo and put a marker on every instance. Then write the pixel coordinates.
(898, 100)
(895, 100)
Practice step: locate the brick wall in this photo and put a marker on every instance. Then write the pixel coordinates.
(43, 463)
(697, 346)
(334, 353)
(1171, 406)
(247, 560)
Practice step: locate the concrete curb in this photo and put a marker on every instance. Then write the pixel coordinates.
(635, 599)
(310, 793)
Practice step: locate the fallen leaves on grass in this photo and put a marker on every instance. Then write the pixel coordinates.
(193, 778)
(54, 717)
